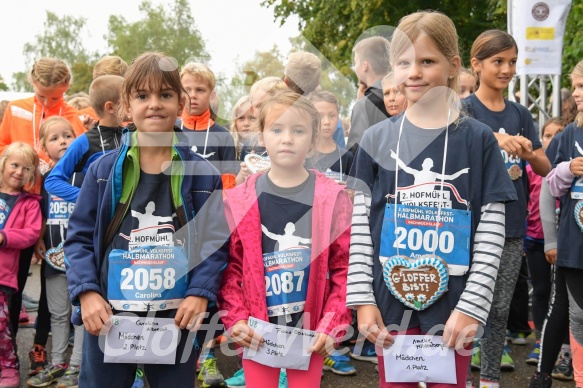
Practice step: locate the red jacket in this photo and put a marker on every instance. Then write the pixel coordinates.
(21, 230)
(326, 294)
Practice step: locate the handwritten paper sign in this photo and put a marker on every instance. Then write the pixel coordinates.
(283, 347)
(134, 339)
(419, 358)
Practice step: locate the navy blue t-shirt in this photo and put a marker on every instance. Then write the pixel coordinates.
(474, 173)
(7, 202)
(513, 120)
(570, 238)
(553, 147)
(218, 147)
(336, 164)
(286, 222)
(251, 146)
(149, 221)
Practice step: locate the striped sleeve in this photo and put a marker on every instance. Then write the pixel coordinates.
(359, 290)
(476, 299)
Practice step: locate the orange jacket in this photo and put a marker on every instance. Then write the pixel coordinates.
(22, 121)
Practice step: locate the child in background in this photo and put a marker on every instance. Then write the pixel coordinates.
(538, 267)
(555, 351)
(399, 166)
(56, 135)
(207, 138)
(78, 101)
(242, 128)
(119, 195)
(20, 226)
(50, 79)
(395, 101)
(332, 160)
(287, 200)
(468, 83)
(493, 57)
(108, 65)
(261, 91)
(564, 183)
(105, 136)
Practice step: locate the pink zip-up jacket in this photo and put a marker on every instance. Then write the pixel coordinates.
(242, 292)
(21, 230)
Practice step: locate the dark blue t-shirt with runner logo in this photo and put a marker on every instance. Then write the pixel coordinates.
(474, 176)
(147, 267)
(286, 223)
(7, 202)
(513, 120)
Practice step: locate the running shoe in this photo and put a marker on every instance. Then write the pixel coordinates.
(506, 362)
(516, 338)
(339, 365)
(71, 377)
(237, 381)
(476, 361)
(364, 352)
(540, 380)
(532, 358)
(209, 375)
(47, 376)
(563, 369)
(38, 359)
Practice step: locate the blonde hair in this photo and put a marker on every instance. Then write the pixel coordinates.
(302, 72)
(578, 72)
(29, 154)
(78, 100)
(237, 112)
(50, 122)
(270, 86)
(437, 27)
(201, 71)
(153, 71)
(374, 51)
(323, 96)
(388, 79)
(110, 65)
(292, 100)
(49, 72)
(103, 89)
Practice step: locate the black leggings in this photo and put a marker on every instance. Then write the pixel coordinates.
(16, 301)
(556, 326)
(43, 320)
(518, 313)
(540, 273)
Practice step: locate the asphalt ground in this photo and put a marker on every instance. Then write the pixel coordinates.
(366, 375)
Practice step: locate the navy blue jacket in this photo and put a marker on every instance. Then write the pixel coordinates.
(202, 218)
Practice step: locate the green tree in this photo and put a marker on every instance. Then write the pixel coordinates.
(262, 64)
(334, 26)
(61, 38)
(169, 30)
(3, 86)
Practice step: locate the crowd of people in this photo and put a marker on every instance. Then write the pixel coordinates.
(135, 200)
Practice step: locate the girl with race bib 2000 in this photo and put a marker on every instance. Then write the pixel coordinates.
(428, 219)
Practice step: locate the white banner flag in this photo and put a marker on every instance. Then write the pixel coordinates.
(538, 28)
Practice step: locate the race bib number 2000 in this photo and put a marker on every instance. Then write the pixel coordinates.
(416, 233)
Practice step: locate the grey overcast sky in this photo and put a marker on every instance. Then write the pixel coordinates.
(232, 29)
